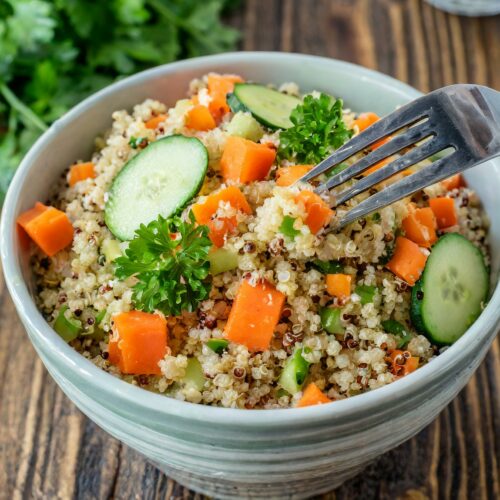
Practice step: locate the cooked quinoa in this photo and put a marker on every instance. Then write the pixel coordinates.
(341, 365)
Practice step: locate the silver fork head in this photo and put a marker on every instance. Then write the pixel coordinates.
(465, 118)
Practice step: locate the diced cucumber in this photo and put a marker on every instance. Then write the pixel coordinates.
(294, 373)
(66, 326)
(451, 293)
(217, 345)
(160, 180)
(268, 106)
(194, 374)
(222, 260)
(287, 229)
(111, 250)
(331, 319)
(366, 293)
(246, 126)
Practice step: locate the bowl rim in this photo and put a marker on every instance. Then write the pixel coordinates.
(70, 359)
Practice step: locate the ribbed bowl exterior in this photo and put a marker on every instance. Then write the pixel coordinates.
(230, 453)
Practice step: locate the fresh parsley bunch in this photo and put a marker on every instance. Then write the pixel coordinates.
(318, 129)
(169, 259)
(53, 53)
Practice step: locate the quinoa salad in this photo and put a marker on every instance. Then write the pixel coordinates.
(185, 256)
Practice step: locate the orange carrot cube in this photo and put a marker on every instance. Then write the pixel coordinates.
(420, 227)
(199, 118)
(286, 176)
(218, 88)
(139, 342)
(48, 227)
(204, 210)
(153, 123)
(318, 212)
(246, 161)
(254, 315)
(445, 211)
(407, 261)
(313, 396)
(339, 285)
(80, 172)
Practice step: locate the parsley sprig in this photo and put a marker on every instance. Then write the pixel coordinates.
(318, 129)
(169, 259)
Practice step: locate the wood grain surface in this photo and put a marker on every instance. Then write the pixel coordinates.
(48, 449)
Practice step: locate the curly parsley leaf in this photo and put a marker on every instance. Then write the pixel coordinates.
(318, 129)
(169, 259)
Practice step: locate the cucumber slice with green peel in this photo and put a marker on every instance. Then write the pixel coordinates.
(160, 180)
(452, 291)
(268, 106)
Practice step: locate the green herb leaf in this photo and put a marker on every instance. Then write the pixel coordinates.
(318, 129)
(135, 142)
(397, 328)
(169, 258)
(327, 266)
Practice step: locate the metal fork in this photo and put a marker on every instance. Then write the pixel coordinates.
(463, 117)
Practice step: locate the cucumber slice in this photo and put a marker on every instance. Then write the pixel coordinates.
(268, 106)
(160, 180)
(452, 290)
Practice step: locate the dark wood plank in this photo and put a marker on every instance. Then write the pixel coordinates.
(48, 449)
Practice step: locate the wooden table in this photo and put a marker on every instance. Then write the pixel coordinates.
(48, 449)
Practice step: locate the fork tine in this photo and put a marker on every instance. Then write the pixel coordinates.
(396, 144)
(403, 117)
(439, 170)
(416, 155)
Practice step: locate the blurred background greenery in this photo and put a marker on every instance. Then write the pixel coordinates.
(53, 53)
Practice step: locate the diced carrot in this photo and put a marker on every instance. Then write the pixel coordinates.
(445, 212)
(138, 343)
(312, 395)
(48, 227)
(204, 210)
(80, 172)
(383, 141)
(153, 123)
(246, 161)
(219, 228)
(218, 88)
(401, 363)
(375, 167)
(420, 226)
(454, 182)
(318, 212)
(339, 285)
(286, 176)
(364, 120)
(199, 118)
(254, 315)
(411, 365)
(408, 261)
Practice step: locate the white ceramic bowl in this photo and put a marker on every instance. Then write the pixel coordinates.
(228, 452)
